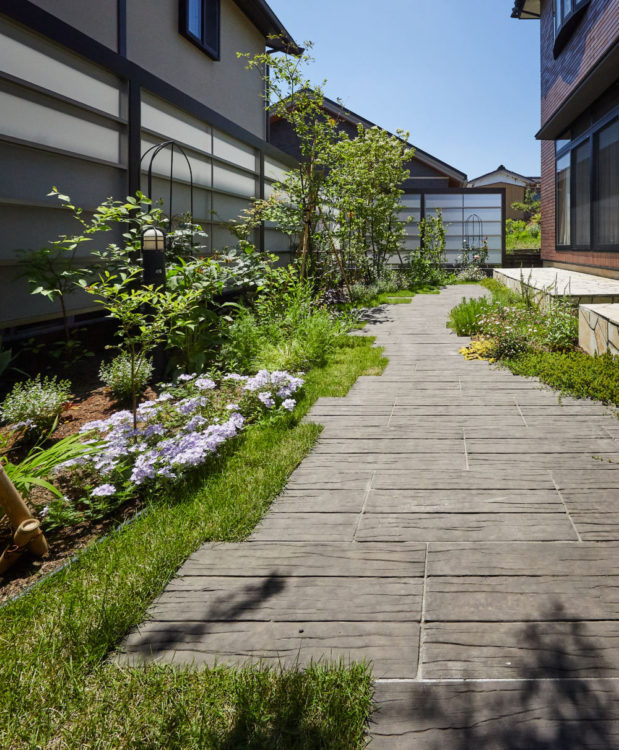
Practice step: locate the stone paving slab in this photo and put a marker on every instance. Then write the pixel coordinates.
(390, 647)
(456, 527)
(320, 501)
(480, 650)
(313, 560)
(571, 596)
(552, 715)
(307, 527)
(293, 599)
(529, 560)
(500, 478)
(464, 501)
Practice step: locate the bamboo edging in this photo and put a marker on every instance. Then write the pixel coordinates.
(27, 532)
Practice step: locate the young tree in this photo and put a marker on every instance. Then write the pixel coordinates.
(293, 98)
(363, 192)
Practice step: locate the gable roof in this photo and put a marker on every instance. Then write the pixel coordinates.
(502, 170)
(264, 19)
(345, 114)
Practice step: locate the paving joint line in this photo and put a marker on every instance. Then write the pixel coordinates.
(467, 466)
(520, 412)
(567, 512)
(363, 507)
(422, 620)
(467, 680)
(391, 414)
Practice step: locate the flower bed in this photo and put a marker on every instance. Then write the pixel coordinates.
(168, 436)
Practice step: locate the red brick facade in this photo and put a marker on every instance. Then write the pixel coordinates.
(597, 32)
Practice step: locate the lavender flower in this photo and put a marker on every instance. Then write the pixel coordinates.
(204, 384)
(289, 404)
(267, 399)
(103, 490)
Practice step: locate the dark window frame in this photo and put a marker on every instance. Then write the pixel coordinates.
(590, 138)
(213, 51)
(565, 23)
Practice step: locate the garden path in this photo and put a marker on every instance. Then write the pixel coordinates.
(456, 525)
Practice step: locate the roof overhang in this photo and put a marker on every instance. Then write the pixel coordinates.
(339, 111)
(588, 90)
(264, 19)
(526, 9)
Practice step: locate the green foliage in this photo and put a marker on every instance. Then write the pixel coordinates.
(574, 373)
(466, 318)
(118, 377)
(145, 317)
(362, 192)
(522, 235)
(285, 329)
(36, 404)
(560, 331)
(516, 324)
(500, 293)
(290, 96)
(426, 263)
(6, 357)
(39, 464)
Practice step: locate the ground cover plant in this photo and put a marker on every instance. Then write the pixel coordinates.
(69, 622)
(535, 341)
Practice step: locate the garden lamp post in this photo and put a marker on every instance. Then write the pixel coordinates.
(153, 256)
(153, 274)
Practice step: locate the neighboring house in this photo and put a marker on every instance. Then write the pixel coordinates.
(579, 132)
(471, 215)
(516, 186)
(87, 87)
(425, 170)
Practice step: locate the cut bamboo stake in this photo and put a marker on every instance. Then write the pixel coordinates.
(25, 525)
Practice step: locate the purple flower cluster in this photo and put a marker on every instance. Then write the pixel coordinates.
(178, 432)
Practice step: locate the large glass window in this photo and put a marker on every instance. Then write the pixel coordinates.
(607, 185)
(200, 23)
(581, 194)
(563, 200)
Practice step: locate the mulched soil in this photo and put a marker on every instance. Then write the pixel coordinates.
(91, 401)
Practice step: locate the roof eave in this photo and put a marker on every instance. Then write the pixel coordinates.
(526, 9)
(265, 20)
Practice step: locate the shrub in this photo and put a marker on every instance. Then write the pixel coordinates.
(118, 377)
(242, 342)
(471, 273)
(561, 327)
(465, 318)
(36, 403)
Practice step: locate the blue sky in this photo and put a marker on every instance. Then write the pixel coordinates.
(460, 75)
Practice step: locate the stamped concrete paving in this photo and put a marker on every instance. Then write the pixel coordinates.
(455, 525)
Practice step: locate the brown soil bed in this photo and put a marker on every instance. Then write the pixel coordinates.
(91, 401)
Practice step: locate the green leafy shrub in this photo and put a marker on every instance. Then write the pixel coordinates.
(574, 373)
(37, 403)
(120, 380)
(242, 341)
(561, 327)
(465, 318)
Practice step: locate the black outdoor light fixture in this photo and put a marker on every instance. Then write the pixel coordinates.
(153, 256)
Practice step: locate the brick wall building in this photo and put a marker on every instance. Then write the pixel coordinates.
(579, 132)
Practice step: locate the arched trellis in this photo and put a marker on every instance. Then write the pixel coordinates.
(156, 150)
(473, 232)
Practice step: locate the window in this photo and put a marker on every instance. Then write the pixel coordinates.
(199, 22)
(567, 14)
(607, 185)
(581, 195)
(563, 200)
(587, 188)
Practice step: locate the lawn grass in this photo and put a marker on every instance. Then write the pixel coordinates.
(56, 636)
